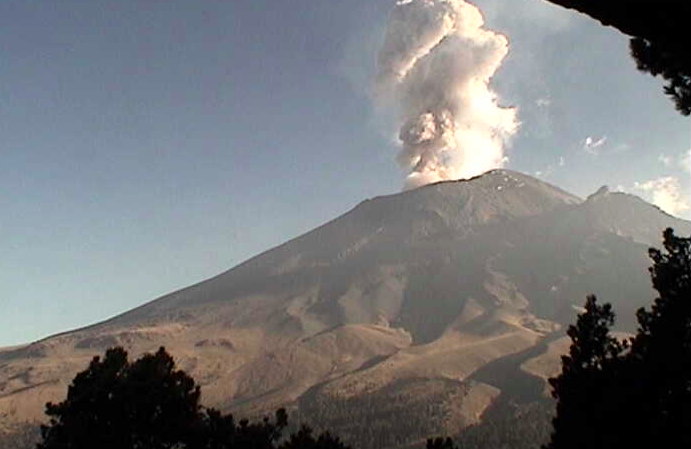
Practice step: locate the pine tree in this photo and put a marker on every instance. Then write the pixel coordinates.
(638, 394)
(659, 38)
(117, 404)
(587, 373)
(149, 404)
(661, 350)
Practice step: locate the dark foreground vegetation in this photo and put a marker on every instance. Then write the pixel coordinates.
(659, 38)
(610, 394)
(149, 404)
(637, 392)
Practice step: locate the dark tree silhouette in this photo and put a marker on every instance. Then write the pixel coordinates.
(659, 44)
(661, 350)
(304, 439)
(118, 404)
(221, 432)
(670, 61)
(149, 404)
(638, 394)
(440, 443)
(587, 373)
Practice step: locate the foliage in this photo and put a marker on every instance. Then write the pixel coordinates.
(669, 61)
(118, 404)
(304, 439)
(440, 443)
(661, 350)
(636, 393)
(221, 432)
(587, 374)
(149, 404)
(659, 42)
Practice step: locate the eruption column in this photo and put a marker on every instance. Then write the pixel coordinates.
(434, 67)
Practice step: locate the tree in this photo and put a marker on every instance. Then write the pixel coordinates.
(659, 38)
(304, 439)
(661, 350)
(149, 404)
(221, 432)
(637, 393)
(587, 373)
(440, 443)
(118, 404)
(666, 58)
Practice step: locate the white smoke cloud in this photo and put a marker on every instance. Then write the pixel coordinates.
(434, 69)
(667, 194)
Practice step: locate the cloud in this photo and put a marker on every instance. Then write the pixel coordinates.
(562, 162)
(543, 102)
(665, 160)
(591, 145)
(433, 72)
(685, 161)
(667, 194)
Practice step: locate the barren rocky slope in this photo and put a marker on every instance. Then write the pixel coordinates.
(429, 303)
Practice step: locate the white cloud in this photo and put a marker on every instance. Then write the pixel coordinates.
(667, 194)
(591, 144)
(685, 161)
(543, 102)
(665, 160)
(562, 162)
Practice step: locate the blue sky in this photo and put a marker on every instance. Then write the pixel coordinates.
(145, 146)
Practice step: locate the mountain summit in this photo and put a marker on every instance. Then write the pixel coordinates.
(439, 295)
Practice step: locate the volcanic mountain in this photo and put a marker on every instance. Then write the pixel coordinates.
(419, 310)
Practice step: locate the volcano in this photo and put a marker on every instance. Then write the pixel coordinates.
(427, 306)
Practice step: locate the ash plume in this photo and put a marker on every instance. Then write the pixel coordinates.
(433, 70)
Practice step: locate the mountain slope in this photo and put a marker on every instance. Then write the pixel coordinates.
(410, 300)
